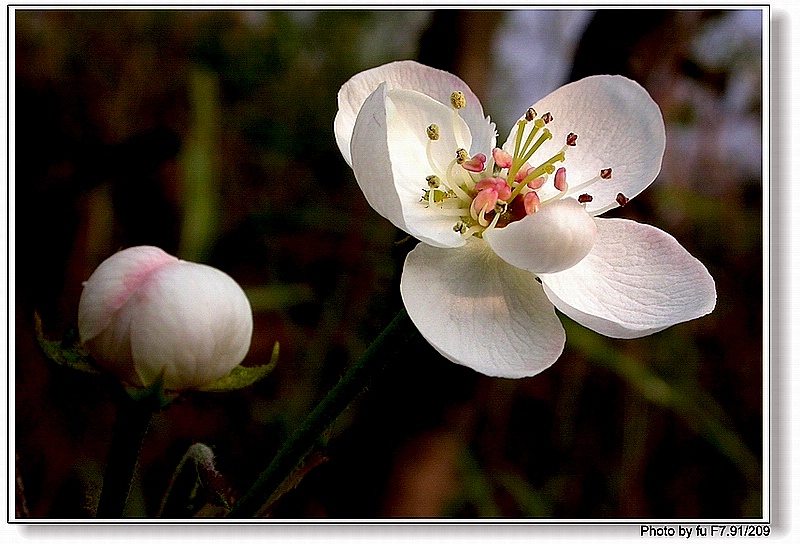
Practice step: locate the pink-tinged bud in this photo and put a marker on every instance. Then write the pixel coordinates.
(502, 158)
(537, 183)
(561, 179)
(144, 312)
(475, 164)
(531, 202)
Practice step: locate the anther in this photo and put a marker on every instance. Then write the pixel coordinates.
(523, 173)
(433, 181)
(584, 198)
(572, 139)
(433, 132)
(530, 114)
(458, 100)
(461, 156)
(605, 173)
(502, 158)
(622, 199)
(547, 117)
(475, 164)
(560, 182)
(537, 183)
(531, 202)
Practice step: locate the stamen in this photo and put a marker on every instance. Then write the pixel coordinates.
(498, 185)
(433, 181)
(530, 114)
(474, 229)
(584, 198)
(546, 167)
(546, 135)
(622, 199)
(523, 173)
(462, 156)
(452, 185)
(560, 182)
(493, 224)
(484, 200)
(502, 158)
(547, 117)
(537, 183)
(433, 132)
(605, 173)
(572, 139)
(475, 164)
(531, 202)
(458, 100)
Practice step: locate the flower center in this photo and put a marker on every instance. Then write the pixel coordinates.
(483, 193)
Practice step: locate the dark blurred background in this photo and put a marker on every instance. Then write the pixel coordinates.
(210, 134)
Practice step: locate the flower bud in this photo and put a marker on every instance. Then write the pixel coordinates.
(144, 312)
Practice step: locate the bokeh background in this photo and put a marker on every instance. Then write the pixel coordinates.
(210, 134)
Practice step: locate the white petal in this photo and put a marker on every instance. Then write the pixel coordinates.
(112, 283)
(390, 161)
(480, 312)
(553, 239)
(619, 126)
(637, 280)
(191, 320)
(413, 76)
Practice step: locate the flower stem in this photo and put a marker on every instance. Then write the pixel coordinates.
(376, 358)
(133, 419)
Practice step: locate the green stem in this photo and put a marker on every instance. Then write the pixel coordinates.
(133, 419)
(377, 357)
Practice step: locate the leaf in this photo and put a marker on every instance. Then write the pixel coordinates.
(243, 376)
(69, 352)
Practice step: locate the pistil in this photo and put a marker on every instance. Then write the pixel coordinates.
(481, 191)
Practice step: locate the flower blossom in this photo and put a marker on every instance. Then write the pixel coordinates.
(144, 313)
(510, 233)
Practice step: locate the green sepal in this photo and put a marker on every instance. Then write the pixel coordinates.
(155, 394)
(243, 376)
(68, 352)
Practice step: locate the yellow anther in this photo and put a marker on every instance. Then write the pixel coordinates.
(462, 156)
(433, 181)
(433, 132)
(458, 100)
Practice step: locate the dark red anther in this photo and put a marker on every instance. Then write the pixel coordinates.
(584, 198)
(605, 173)
(547, 117)
(572, 139)
(622, 199)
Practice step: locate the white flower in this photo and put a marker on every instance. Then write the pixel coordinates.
(144, 312)
(510, 233)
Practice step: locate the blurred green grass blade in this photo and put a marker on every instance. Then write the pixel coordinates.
(199, 164)
(275, 297)
(531, 502)
(478, 489)
(700, 412)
